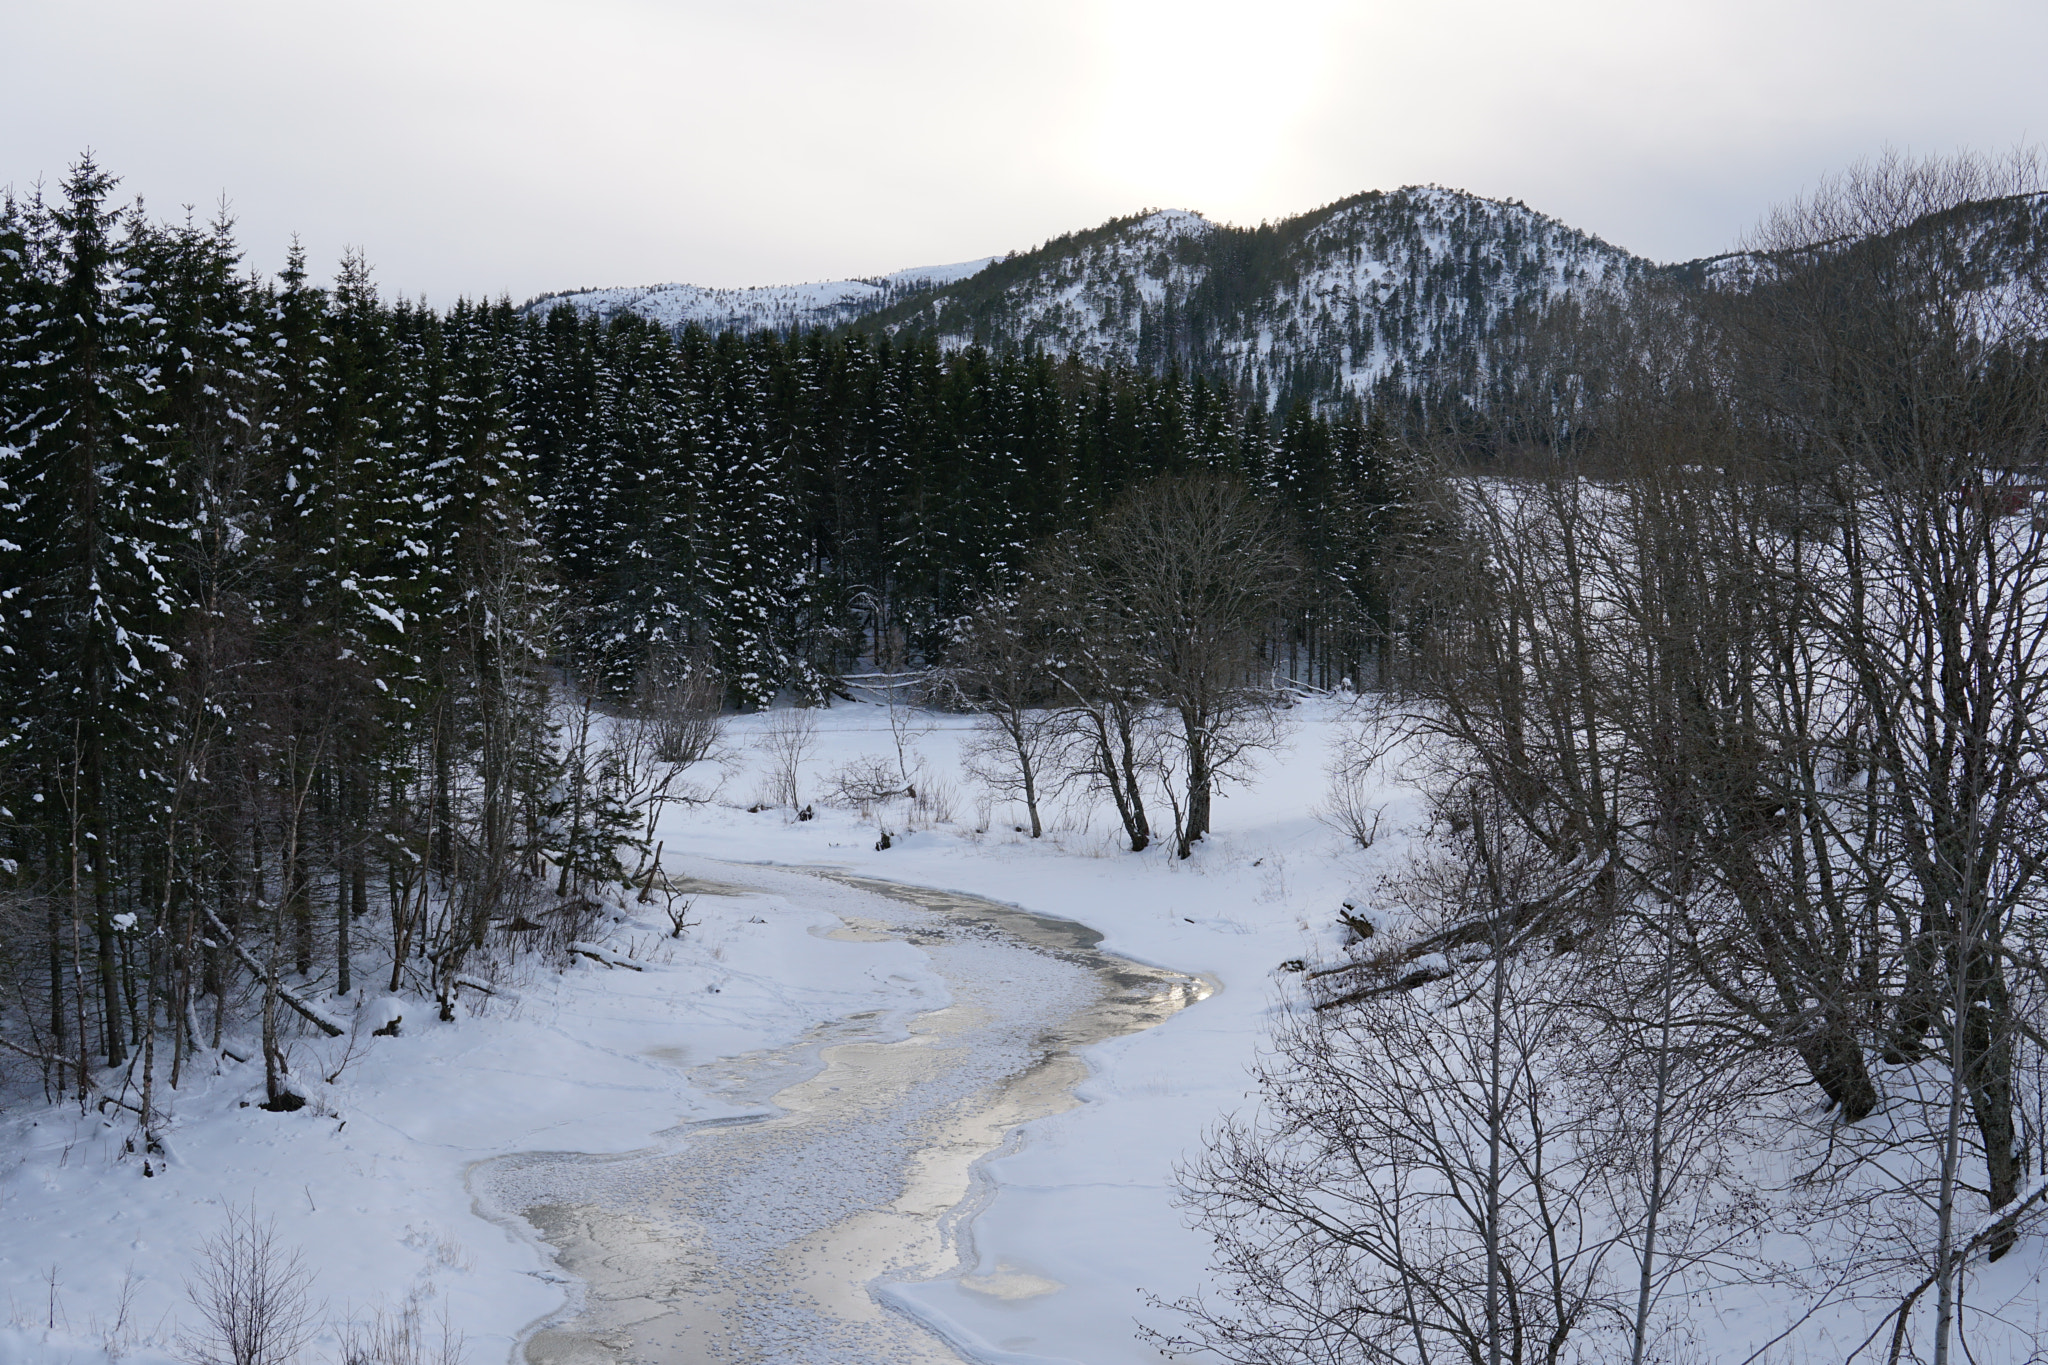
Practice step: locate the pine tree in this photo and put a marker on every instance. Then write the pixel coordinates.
(646, 447)
(94, 521)
(751, 506)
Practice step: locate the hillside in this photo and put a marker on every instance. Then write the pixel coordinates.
(1399, 292)
(1996, 248)
(774, 307)
(1402, 287)
(1405, 287)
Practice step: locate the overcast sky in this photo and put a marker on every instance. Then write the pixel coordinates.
(527, 145)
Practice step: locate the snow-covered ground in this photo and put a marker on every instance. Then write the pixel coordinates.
(385, 1182)
(370, 1180)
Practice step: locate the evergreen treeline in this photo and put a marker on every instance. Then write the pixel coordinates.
(292, 579)
(272, 634)
(788, 506)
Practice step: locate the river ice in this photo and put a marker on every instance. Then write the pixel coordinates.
(767, 1236)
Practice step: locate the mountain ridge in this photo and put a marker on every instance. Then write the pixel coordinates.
(1384, 289)
(779, 307)
(1377, 296)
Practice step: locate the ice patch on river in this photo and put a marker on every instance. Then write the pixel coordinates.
(774, 1235)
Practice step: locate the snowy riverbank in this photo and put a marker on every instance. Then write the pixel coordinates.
(370, 1178)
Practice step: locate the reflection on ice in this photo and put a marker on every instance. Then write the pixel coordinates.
(1010, 1284)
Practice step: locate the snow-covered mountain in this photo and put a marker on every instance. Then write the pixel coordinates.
(1404, 290)
(774, 307)
(1994, 249)
(1404, 286)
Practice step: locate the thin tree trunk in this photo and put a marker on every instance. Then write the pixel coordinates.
(1951, 1162)
(1646, 1280)
(59, 1029)
(1030, 777)
(1134, 793)
(111, 1007)
(1200, 782)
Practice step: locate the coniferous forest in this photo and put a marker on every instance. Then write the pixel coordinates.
(307, 596)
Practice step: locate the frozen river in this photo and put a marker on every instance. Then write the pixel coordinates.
(777, 1237)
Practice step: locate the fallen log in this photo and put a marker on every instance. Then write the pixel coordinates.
(597, 952)
(1421, 974)
(310, 1012)
(1482, 929)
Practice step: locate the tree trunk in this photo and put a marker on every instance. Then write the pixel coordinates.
(1986, 1065)
(1124, 765)
(342, 891)
(1201, 781)
(59, 1029)
(109, 973)
(1024, 770)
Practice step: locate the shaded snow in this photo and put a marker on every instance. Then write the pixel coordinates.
(369, 1178)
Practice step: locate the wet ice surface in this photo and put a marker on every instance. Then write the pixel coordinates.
(760, 1240)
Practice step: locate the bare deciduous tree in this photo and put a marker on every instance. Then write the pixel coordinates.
(1200, 570)
(253, 1293)
(789, 737)
(674, 724)
(1764, 637)
(1001, 669)
(1898, 365)
(680, 699)
(1431, 1175)
(864, 782)
(1111, 723)
(1169, 600)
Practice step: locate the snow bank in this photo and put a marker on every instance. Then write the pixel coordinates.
(368, 1178)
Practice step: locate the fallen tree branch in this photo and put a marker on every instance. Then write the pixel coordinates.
(310, 1012)
(597, 952)
(107, 1096)
(36, 1057)
(486, 987)
(1482, 929)
(1996, 1220)
(1422, 975)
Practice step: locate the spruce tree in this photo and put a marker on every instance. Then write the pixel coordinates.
(94, 519)
(751, 506)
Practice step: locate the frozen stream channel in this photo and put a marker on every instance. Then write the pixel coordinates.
(777, 1236)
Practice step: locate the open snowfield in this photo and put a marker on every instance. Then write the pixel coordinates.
(1074, 1219)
